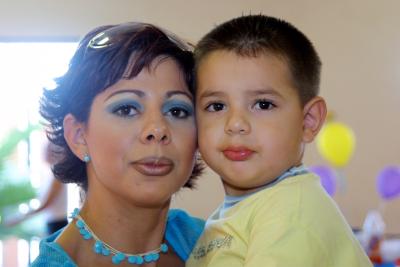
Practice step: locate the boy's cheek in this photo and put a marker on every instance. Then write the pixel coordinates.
(207, 135)
(203, 121)
(208, 128)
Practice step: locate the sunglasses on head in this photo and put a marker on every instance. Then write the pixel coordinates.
(116, 33)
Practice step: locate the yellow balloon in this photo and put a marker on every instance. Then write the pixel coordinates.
(336, 143)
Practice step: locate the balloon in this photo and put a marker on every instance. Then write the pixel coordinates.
(327, 176)
(336, 143)
(388, 182)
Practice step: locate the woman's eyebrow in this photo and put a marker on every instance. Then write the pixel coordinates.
(137, 92)
(179, 92)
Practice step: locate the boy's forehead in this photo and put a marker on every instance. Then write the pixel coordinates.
(231, 60)
(262, 53)
(245, 66)
(224, 69)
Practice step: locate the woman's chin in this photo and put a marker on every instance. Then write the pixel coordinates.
(151, 200)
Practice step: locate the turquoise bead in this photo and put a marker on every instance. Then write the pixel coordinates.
(156, 256)
(115, 260)
(97, 250)
(148, 258)
(105, 251)
(120, 256)
(164, 248)
(132, 259)
(98, 246)
(83, 231)
(75, 212)
(139, 260)
(80, 224)
(87, 236)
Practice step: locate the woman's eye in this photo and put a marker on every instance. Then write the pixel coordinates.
(179, 113)
(214, 107)
(126, 111)
(178, 109)
(264, 105)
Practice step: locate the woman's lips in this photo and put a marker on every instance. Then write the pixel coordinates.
(237, 153)
(154, 166)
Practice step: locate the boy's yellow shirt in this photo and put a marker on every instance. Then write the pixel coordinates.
(291, 224)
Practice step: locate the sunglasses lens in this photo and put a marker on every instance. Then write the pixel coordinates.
(99, 41)
(107, 37)
(112, 35)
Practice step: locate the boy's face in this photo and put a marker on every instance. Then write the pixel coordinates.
(250, 119)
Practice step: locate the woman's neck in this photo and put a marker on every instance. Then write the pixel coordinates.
(129, 229)
(124, 226)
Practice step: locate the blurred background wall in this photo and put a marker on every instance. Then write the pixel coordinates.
(358, 41)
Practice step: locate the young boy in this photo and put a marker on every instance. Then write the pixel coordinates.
(258, 106)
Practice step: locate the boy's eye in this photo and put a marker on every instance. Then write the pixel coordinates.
(126, 111)
(264, 104)
(214, 107)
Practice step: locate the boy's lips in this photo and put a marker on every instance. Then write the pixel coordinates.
(237, 153)
(153, 166)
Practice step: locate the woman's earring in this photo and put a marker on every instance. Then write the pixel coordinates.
(86, 158)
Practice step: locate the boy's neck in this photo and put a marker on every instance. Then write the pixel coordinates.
(292, 171)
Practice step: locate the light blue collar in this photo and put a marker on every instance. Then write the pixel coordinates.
(230, 201)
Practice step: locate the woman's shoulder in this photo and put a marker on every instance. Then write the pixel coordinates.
(52, 254)
(181, 216)
(180, 222)
(182, 231)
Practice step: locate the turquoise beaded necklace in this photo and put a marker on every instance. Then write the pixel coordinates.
(105, 249)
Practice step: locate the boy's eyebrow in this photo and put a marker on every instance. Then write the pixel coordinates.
(266, 91)
(211, 93)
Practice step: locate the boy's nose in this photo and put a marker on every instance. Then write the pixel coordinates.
(237, 124)
(156, 131)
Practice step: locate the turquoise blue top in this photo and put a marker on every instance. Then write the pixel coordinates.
(181, 234)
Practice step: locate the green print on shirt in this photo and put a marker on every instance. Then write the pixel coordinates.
(203, 250)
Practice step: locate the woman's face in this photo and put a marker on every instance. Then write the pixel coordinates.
(141, 136)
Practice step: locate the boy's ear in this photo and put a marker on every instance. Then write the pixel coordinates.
(74, 135)
(314, 113)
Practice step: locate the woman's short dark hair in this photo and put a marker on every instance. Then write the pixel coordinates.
(104, 56)
(252, 35)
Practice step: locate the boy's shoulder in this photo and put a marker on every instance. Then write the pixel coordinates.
(290, 191)
(299, 202)
(298, 199)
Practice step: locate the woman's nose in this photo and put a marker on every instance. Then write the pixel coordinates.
(237, 123)
(156, 130)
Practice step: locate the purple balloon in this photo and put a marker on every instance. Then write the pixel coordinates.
(327, 176)
(388, 182)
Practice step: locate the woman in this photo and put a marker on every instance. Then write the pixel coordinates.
(124, 114)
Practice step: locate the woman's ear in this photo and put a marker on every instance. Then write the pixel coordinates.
(74, 134)
(314, 113)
